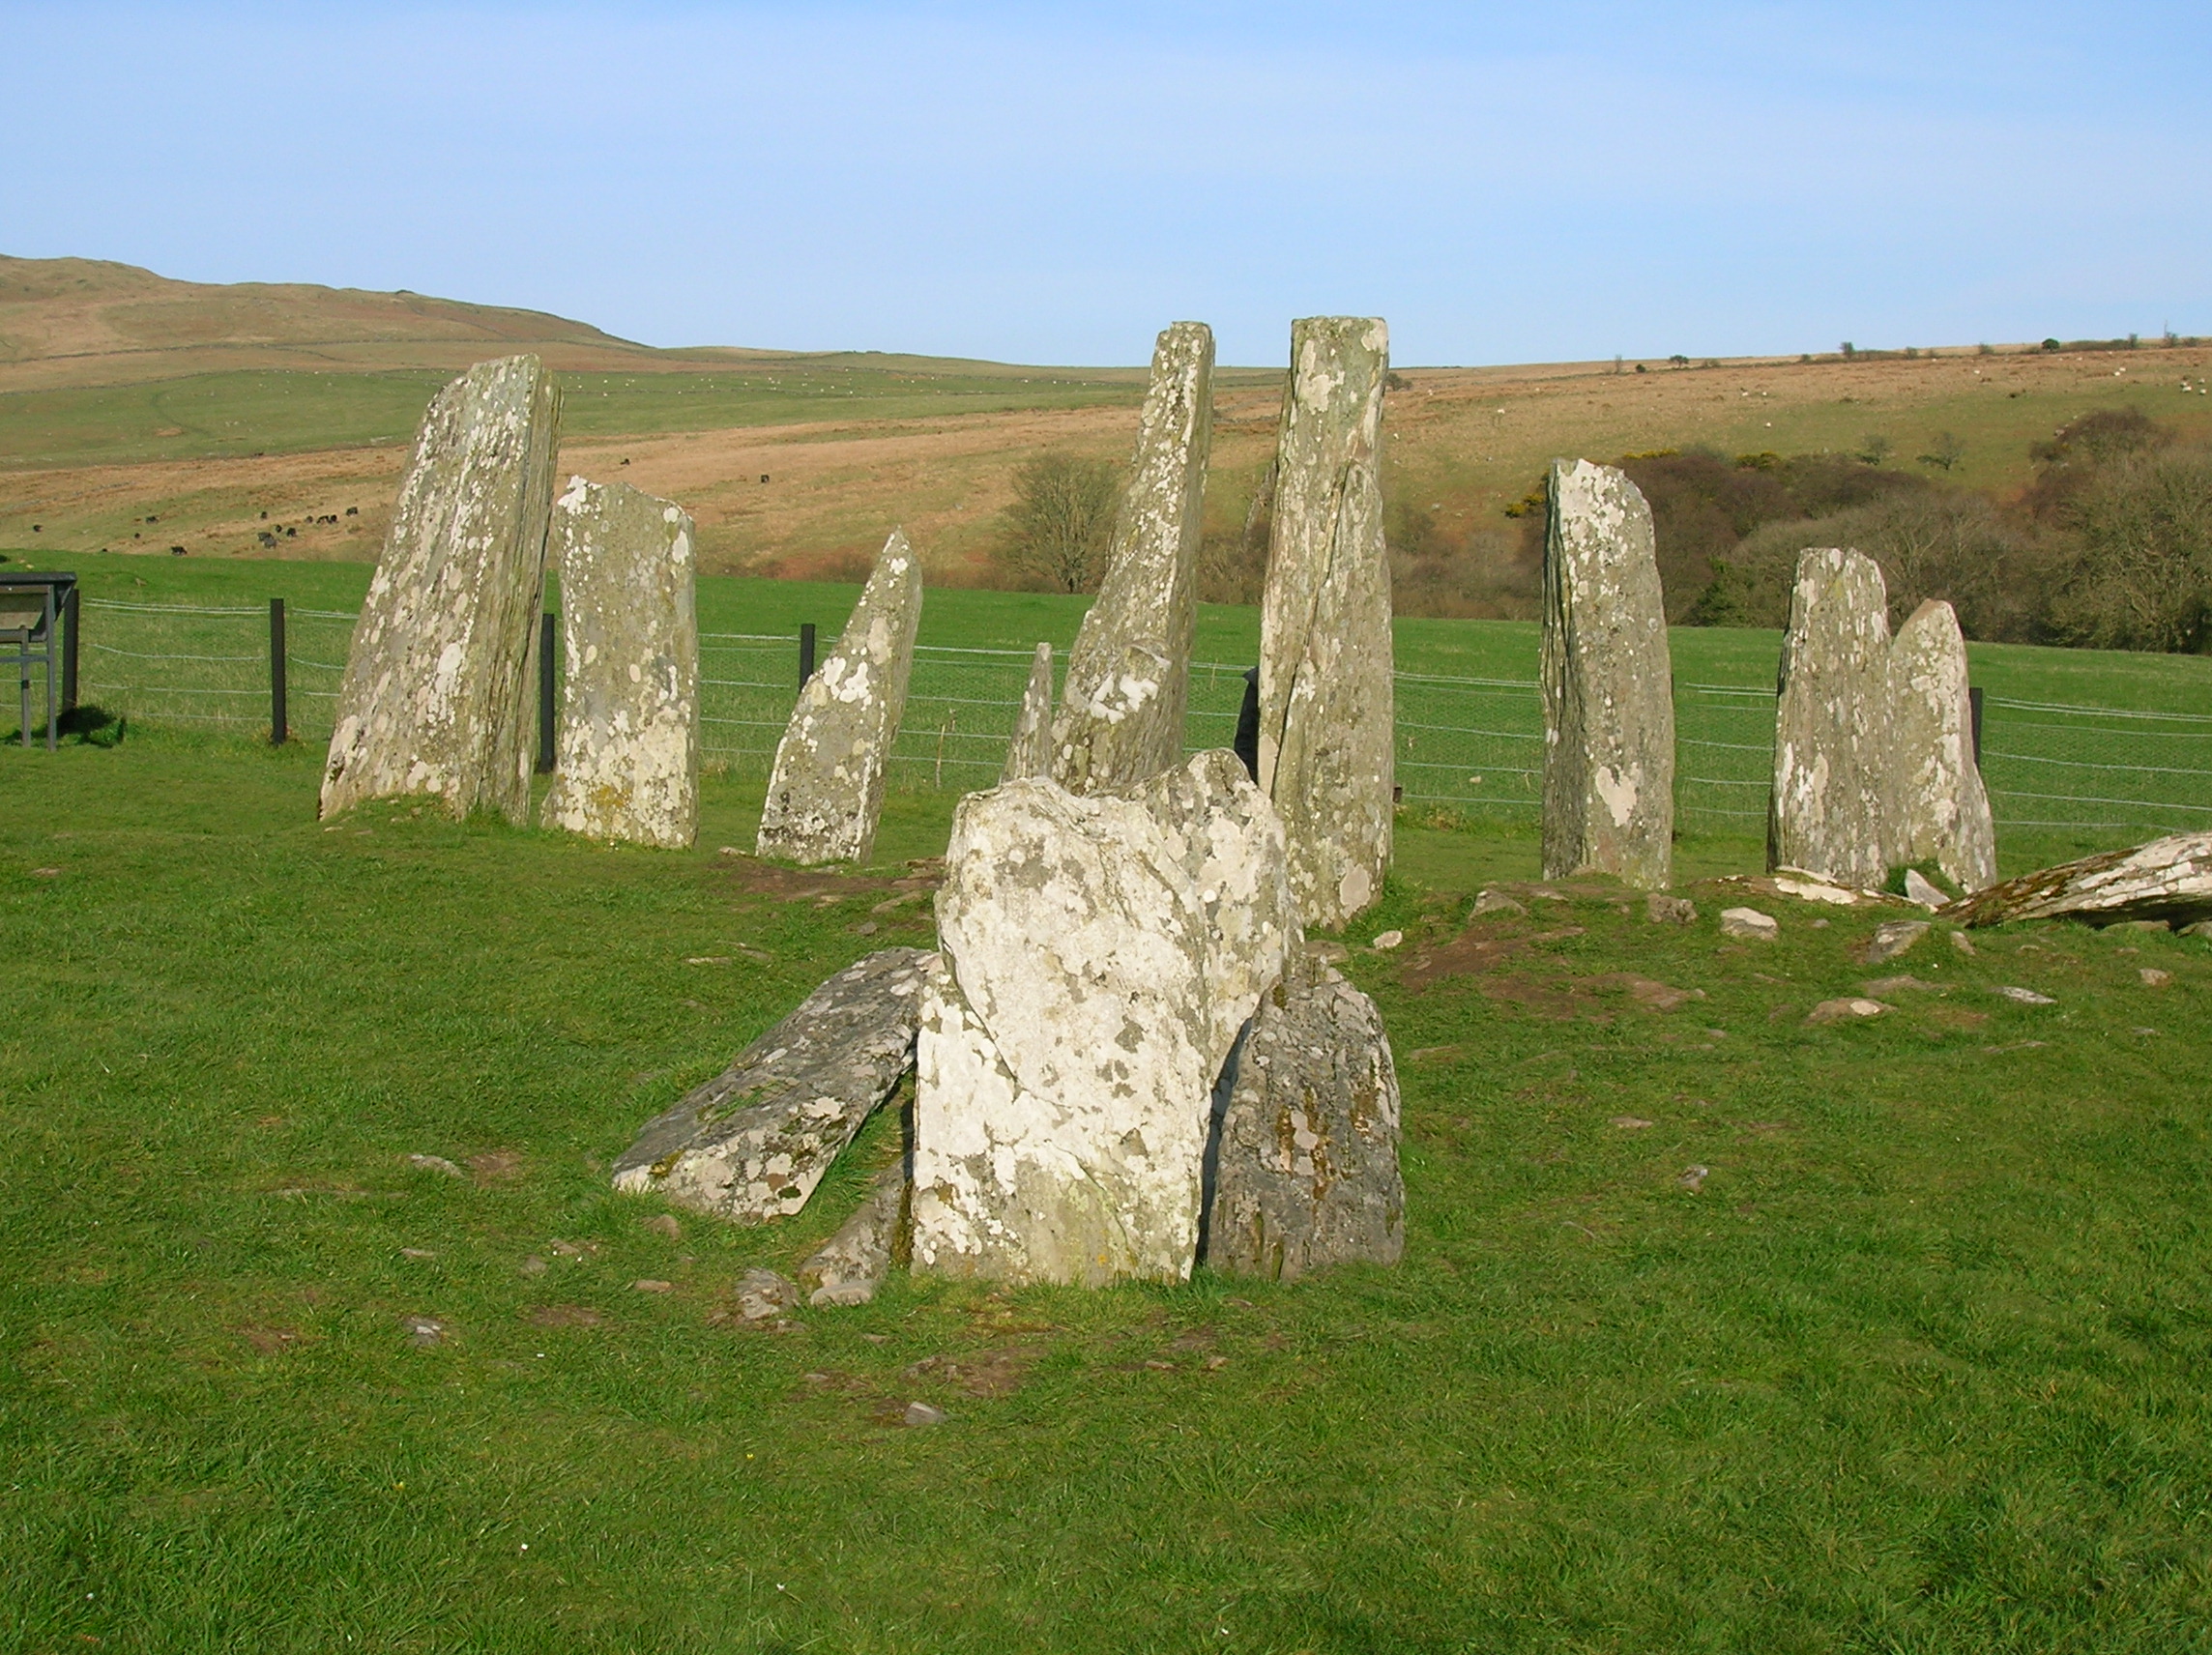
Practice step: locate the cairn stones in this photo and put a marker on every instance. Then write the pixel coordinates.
(1939, 811)
(2168, 878)
(1121, 709)
(827, 790)
(1831, 729)
(1305, 1170)
(1609, 696)
(1101, 955)
(751, 1144)
(1326, 739)
(1030, 752)
(628, 752)
(438, 684)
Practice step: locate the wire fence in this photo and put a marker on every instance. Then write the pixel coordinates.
(1472, 747)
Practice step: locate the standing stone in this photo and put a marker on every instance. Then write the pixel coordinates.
(1831, 724)
(1939, 811)
(627, 755)
(1030, 752)
(828, 787)
(1327, 727)
(440, 679)
(1305, 1170)
(1609, 690)
(1101, 955)
(751, 1144)
(1128, 677)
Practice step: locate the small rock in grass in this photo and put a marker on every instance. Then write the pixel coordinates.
(1662, 910)
(2153, 977)
(1898, 985)
(45, 873)
(866, 928)
(762, 1293)
(1329, 953)
(1694, 1179)
(534, 1265)
(1387, 941)
(2025, 995)
(1749, 922)
(650, 1286)
(1836, 1010)
(1496, 902)
(708, 960)
(1918, 887)
(567, 1249)
(923, 1413)
(1892, 939)
(436, 1164)
(2143, 925)
(1630, 1122)
(730, 850)
(1436, 1055)
(664, 1224)
(2202, 928)
(1963, 943)
(423, 1330)
(417, 1253)
(1215, 1362)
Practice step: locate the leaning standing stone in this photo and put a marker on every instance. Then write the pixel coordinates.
(437, 697)
(1128, 677)
(1609, 692)
(1831, 724)
(828, 787)
(1305, 1167)
(1326, 692)
(751, 1144)
(1938, 810)
(628, 747)
(1030, 752)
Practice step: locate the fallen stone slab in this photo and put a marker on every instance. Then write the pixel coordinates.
(1841, 1011)
(1749, 922)
(850, 1265)
(2022, 996)
(1881, 986)
(2168, 878)
(751, 1144)
(1030, 752)
(1891, 939)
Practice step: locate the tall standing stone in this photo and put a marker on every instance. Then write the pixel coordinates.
(1831, 723)
(628, 752)
(1128, 677)
(1939, 811)
(828, 787)
(437, 696)
(1030, 752)
(1609, 693)
(1326, 692)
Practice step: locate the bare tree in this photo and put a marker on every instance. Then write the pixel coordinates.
(1059, 528)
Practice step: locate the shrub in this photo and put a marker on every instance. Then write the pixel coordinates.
(1059, 528)
(2141, 527)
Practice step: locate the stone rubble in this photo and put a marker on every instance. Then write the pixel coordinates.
(1668, 910)
(1030, 752)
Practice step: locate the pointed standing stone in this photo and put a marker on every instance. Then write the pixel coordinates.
(828, 787)
(1609, 692)
(1831, 723)
(1030, 752)
(1939, 811)
(1326, 757)
(1128, 677)
(628, 745)
(440, 677)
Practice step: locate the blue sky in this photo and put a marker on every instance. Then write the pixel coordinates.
(1503, 184)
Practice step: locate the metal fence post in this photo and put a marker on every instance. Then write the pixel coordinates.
(278, 729)
(69, 652)
(1974, 715)
(805, 653)
(548, 635)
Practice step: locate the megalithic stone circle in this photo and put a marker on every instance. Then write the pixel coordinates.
(439, 682)
(1128, 677)
(1609, 693)
(1030, 752)
(1326, 731)
(1939, 811)
(827, 790)
(1832, 725)
(628, 749)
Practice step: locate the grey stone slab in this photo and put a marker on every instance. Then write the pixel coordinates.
(826, 791)
(1938, 810)
(850, 1265)
(1326, 735)
(751, 1144)
(1609, 691)
(440, 692)
(2168, 878)
(1828, 816)
(1030, 752)
(627, 753)
(1128, 677)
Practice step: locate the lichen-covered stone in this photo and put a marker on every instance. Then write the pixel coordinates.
(1608, 689)
(751, 1144)
(1938, 810)
(1128, 677)
(1831, 728)
(850, 1265)
(1327, 715)
(628, 747)
(1030, 752)
(439, 692)
(2168, 878)
(827, 790)
(1101, 955)
(1305, 1170)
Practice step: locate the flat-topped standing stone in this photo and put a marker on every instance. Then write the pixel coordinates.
(828, 787)
(1030, 752)
(1831, 724)
(1128, 677)
(751, 1144)
(438, 688)
(628, 753)
(1938, 810)
(1326, 730)
(1101, 955)
(1305, 1170)
(1609, 690)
